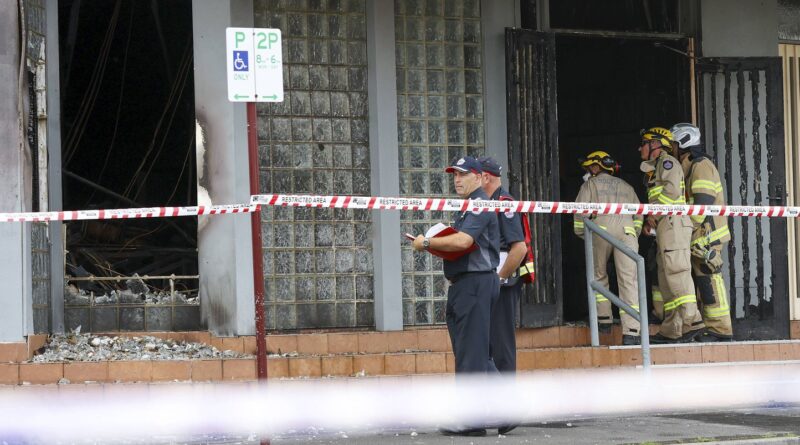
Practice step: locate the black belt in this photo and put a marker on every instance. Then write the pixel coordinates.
(461, 275)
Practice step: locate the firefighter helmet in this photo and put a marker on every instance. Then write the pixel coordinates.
(660, 134)
(686, 135)
(602, 159)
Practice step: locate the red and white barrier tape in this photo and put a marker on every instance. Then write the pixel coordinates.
(460, 205)
(144, 212)
(383, 203)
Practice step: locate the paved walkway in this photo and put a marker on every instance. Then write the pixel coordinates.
(766, 425)
(316, 402)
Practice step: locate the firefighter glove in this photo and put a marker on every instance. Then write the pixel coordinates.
(711, 257)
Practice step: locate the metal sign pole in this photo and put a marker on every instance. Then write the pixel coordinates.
(258, 258)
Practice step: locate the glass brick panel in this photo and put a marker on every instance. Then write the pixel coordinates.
(440, 116)
(318, 262)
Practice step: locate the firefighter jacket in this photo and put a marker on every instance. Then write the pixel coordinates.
(704, 187)
(607, 188)
(665, 183)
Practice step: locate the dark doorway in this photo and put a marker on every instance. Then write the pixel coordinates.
(127, 108)
(608, 89)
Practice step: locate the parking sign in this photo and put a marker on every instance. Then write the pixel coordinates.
(254, 64)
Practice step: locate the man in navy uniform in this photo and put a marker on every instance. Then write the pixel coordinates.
(502, 342)
(474, 285)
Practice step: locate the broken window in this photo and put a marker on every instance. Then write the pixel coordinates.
(127, 111)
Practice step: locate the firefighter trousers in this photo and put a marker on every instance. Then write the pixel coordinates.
(712, 296)
(658, 299)
(626, 277)
(468, 316)
(681, 316)
(502, 341)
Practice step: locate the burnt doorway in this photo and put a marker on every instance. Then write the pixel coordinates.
(609, 88)
(128, 127)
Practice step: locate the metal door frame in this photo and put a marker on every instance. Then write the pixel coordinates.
(530, 150)
(754, 327)
(790, 55)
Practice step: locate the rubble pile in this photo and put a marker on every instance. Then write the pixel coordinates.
(86, 347)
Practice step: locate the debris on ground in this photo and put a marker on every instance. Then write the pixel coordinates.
(89, 348)
(79, 297)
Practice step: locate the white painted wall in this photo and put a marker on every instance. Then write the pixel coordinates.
(739, 28)
(16, 319)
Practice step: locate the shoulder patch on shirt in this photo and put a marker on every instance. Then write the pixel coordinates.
(667, 165)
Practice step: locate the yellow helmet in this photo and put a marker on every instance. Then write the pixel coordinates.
(602, 159)
(660, 134)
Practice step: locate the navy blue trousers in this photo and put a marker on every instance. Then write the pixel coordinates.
(503, 341)
(468, 314)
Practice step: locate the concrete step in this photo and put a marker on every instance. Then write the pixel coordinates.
(388, 363)
(410, 352)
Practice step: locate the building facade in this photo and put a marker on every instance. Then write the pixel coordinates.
(379, 96)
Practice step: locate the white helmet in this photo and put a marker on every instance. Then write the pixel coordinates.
(686, 135)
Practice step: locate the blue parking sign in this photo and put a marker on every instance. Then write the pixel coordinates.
(240, 62)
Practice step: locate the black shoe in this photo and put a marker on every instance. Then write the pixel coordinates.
(659, 339)
(505, 429)
(690, 336)
(712, 337)
(604, 328)
(471, 432)
(631, 340)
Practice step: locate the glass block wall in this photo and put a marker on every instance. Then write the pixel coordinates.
(317, 262)
(440, 117)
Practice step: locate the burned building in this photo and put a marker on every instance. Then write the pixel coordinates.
(124, 104)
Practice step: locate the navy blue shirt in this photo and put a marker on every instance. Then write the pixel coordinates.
(483, 229)
(511, 230)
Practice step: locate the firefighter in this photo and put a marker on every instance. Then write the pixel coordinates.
(602, 186)
(710, 234)
(503, 345)
(474, 284)
(665, 185)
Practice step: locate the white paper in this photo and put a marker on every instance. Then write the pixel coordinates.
(503, 257)
(435, 229)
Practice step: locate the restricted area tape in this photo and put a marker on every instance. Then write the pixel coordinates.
(383, 203)
(143, 212)
(462, 205)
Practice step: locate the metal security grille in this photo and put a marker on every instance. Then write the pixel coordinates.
(317, 262)
(741, 106)
(440, 117)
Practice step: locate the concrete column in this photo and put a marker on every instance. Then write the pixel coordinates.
(54, 169)
(224, 243)
(496, 16)
(385, 163)
(16, 318)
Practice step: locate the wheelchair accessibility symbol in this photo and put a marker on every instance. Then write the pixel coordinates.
(240, 61)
